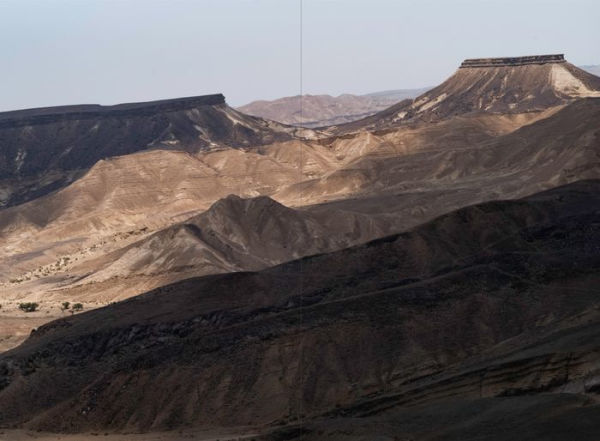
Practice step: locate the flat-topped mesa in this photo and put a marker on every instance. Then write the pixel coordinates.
(513, 61)
(45, 149)
(507, 85)
(89, 111)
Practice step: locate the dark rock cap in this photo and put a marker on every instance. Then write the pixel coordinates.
(513, 61)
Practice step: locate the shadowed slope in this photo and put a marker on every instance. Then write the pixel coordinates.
(388, 317)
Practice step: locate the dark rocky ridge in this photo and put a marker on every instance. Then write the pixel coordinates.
(44, 149)
(470, 299)
(44, 115)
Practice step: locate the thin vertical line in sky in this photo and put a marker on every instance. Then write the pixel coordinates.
(301, 278)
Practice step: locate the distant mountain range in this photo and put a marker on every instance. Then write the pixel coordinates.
(325, 110)
(593, 69)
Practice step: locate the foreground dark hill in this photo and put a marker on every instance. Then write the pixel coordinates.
(490, 85)
(43, 149)
(463, 307)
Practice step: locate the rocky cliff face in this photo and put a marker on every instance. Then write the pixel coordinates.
(43, 149)
(513, 61)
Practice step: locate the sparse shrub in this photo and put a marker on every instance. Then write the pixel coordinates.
(28, 306)
(76, 308)
(65, 305)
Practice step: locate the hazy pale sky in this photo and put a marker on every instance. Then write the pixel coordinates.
(56, 52)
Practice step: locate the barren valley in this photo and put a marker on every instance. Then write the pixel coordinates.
(436, 259)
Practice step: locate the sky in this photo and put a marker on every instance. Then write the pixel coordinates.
(58, 52)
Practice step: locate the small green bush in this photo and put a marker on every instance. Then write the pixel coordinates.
(28, 306)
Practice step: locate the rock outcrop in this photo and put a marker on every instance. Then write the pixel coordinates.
(513, 61)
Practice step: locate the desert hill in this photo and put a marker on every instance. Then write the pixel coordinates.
(461, 151)
(105, 210)
(492, 300)
(234, 234)
(492, 85)
(44, 149)
(326, 110)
